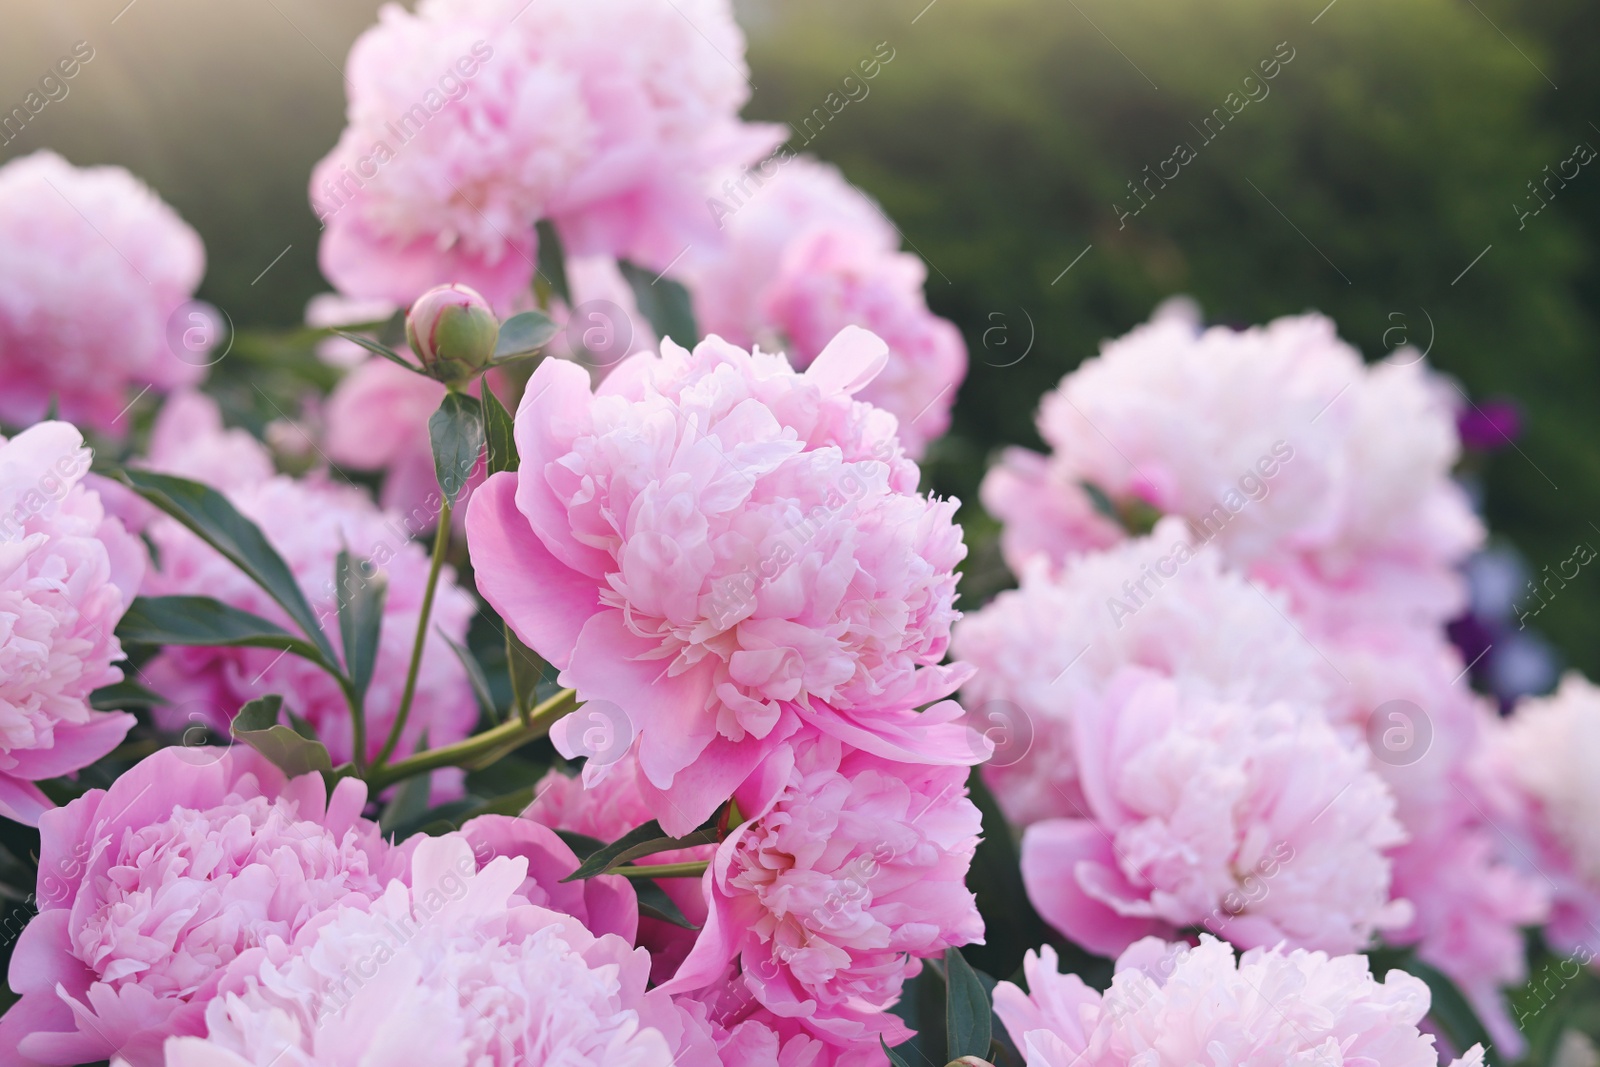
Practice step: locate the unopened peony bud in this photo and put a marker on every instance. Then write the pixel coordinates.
(453, 331)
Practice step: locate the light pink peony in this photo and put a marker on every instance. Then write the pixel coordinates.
(1319, 475)
(850, 872)
(725, 549)
(456, 970)
(149, 889)
(1254, 821)
(471, 120)
(92, 264)
(1173, 1005)
(67, 573)
(806, 255)
(1047, 653)
(308, 521)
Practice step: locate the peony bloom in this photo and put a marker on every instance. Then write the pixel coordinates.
(726, 548)
(1254, 821)
(1048, 652)
(455, 970)
(1539, 767)
(308, 521)
(67, 573)
(149, 889)
(807, 255)
(605, 904)
(850, 873)
(1173, 1005)
(1315, 473)
(472, 120)
(92, 265)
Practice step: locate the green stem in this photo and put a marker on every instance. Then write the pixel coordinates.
(358, 720)
(687, 869)
(441, 544)
(480, 749)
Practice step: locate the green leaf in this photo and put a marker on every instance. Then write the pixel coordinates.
(1453, 1013)
(124, 694)
(499, 430)
(894, 1057)
(257, 726)
(203, 622)
(217, 522)
(456, 431)
(1011, 926)
(525, 668)
(383, 350)
(664, 302)
(966, 1012)
(360, 618)
(654, 902)
(553, 261)
(410, 802)
(644, 840)
(523, 335)
(475, 675)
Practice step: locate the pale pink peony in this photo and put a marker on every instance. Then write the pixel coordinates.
(308, 521)
(849, 873)
(749, 1035)
(1317, 474)
(149, 889)
(1539, 767)
(1173, 1005)
(456, 970)
(725, 549)
(806, 255)
(1047, 653)
(1254, 821)
(92, 264)
(471, 120)
(67, 573)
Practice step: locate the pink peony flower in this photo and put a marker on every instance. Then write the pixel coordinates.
(92, 264)
(1315, 473)
(850, 872)
(1177, 1005)
(725, 549)
(1254, 821)
(308, 521)
(1048, 653)
(471, 120)
(455, 970)
(806, 255)
(149, 889)
(67, 573)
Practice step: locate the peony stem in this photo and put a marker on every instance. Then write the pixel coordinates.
(687, 869)
(441, 544)
(479, 750)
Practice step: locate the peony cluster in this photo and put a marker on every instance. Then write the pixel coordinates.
(92, 267)
(727, 550)
(471, 120)
(308, 521)
(67, 573)
(806, 255)
(1172, 1005)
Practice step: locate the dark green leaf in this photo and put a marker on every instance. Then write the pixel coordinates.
(456, 431)
(475, 675)
(553, 261)
(1454, 1015)
(410, 802)
(209, 514)
(1102, 503)
(894, 1057)
(523, 335)
(583, 846)
(498, 430)
(124, 694)
(257, 726)
(382, 350)
(654, 902)
(207, 623)
(644, 840)
(360, 618)
(526, 668)
(966, 1011)
(1010, 924)
(664, 302)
